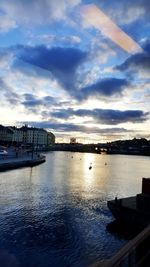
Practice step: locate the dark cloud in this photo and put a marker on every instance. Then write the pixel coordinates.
(31, 101)
(11, 97)
(106, 87)
(69, 127)
(61, 127)
(137, 62)
(103, 116)
(62, 63)
(53, 59)
(62, 113)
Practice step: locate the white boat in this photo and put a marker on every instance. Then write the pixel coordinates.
(3, 152)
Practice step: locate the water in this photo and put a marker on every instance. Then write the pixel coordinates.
(56, 214)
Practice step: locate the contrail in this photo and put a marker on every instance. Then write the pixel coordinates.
(97, 18)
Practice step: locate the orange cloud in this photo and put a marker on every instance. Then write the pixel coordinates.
(95, 17)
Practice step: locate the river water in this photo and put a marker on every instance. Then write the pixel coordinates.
(55, 214)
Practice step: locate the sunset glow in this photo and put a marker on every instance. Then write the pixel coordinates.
(76, 69)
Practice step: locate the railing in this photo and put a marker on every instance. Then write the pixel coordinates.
(136, 253)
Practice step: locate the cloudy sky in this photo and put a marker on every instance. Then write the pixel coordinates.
(78, 68)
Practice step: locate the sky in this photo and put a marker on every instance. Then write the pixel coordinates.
(77, 68)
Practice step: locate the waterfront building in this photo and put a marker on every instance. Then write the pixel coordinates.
(27, 136)
(72, 140)
(34, 136)
(6, 134)
(50, 138)
(17, 135)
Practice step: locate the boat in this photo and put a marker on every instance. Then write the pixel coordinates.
(133, 210)
(3, 152)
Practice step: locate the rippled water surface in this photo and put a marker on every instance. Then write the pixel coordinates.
(56, 214)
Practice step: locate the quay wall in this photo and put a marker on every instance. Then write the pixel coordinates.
(14, 164)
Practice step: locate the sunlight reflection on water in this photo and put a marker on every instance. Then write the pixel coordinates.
(56, 214)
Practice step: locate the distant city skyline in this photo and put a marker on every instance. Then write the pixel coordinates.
(77, 68)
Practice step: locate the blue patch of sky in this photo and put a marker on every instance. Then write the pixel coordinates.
(13, 37)
(147, 91)
(1, 12)
(114, 60)
(137, 30)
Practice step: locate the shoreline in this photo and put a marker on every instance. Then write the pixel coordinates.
(97, 152)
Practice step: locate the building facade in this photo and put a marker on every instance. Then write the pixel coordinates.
(34, 136)
(6, 134)
(50, 138)
(17, 135)
(27, 136)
